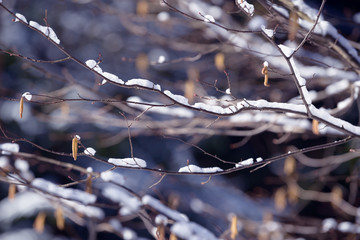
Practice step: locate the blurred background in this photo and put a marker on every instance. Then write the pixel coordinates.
(149, 40)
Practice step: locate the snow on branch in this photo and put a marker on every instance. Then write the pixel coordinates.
(156, 204)
(246, 7)
(8, 148)
(129, 204)
(196, 169)
(128, 162)
(67, 193)
(155, 107)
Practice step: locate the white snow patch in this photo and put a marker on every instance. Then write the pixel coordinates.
(27, 96)
(48, 31)
(246, 162)
(356, 18)
(25, 204)
(8, 148)
(67, 193)
(268, 32)
(209, 18)
(129, 203)
(4, 161)
(328, 224)
(177, 98)
(156, 204)
(89, 211)
(161, 220)
(196, 169)
(197, 205)
(191, 230)
(346, 227)
(256, 23)
(259, 159)
(21, 165)
(163, 16)
(337, 87)
(111, 77)
(21, 17)
(136, 102)
(128, 162)
(161, 59)
(144, 83)
(90, 151)
(113, 176)
(91, 63)
(286, 50)
(247, 7)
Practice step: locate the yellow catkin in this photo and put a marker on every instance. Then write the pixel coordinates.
(21, 106)
(233, 228)
(12, 191)
(293, 192)
(336, 195)
(59, 216)
(293, 25)
(88, 184)
(315, 127)
(160, 232)
(280, 199)
(142, 8)
(39, 223)
(172, 237)
(289, 165)
(220, 61)
(264, 72)
(142, 63)
(75, 142)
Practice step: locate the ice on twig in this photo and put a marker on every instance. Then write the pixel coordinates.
(246, 7)
(21, 17)
(8, 148)
(90, 151)
(268, 32)
(48, 31)
(27, 96)
(67, 193)
(128, 162)
(196, 169)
